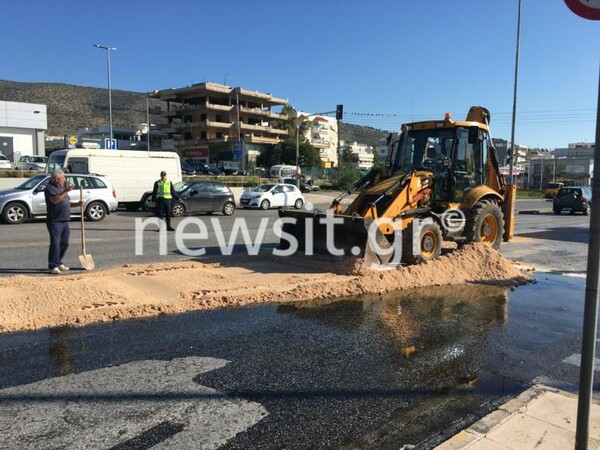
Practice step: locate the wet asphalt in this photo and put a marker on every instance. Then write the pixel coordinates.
(407, 368)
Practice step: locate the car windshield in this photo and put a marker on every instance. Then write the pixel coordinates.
(264, 188)
(38, 159)
(3, 158)
(32, 182)
(181, 186)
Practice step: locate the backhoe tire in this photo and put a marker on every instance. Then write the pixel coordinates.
(485, 223)
(430, 243)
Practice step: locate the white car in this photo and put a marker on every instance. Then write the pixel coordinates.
(4, 162)
(272, 196)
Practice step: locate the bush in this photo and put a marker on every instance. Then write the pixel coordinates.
(348, 175)
(18, 173)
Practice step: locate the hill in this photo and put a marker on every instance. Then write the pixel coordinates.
(71, 107)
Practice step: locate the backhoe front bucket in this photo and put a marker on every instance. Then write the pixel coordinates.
(347, 234)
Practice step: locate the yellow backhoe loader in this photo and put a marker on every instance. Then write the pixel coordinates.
(442, 183)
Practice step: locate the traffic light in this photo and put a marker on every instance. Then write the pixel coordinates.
(301, 160)
(339, 112)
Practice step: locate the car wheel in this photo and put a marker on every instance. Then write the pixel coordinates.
(177, 210)
(265, 204)
(298, 203)
(14, 213)
(147, 203)
(228, 209)
(95, 211)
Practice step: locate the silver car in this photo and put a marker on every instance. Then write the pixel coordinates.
(27, 201)
(31, 163)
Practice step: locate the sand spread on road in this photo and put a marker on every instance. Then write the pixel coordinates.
(135, 291)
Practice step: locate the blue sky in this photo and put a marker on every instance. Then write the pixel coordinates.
(387, 61)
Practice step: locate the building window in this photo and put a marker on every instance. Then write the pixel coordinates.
(187, 119)
(203, 118)
(203, 135)
(187, 136)
(219, 135)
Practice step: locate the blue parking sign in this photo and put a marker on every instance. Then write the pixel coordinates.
(110, 144)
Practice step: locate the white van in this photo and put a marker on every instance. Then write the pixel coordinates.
(283, 171)
(131, 172)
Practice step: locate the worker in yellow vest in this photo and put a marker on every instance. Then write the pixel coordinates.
(163, 194)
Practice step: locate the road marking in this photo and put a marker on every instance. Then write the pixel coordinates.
(575, 360)
(108, 407)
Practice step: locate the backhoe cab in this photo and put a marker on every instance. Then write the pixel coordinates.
(442, 183)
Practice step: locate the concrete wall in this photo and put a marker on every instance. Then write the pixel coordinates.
(9, 183)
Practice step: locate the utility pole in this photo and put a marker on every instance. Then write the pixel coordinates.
(108, 50)
(514, 111)
(339, 115)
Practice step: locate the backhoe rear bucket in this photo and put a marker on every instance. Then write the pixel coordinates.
(348, 234)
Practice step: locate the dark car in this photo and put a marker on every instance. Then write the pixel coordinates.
(198, 197)
(304, 187)
(187, 169)
(203, 168)
(575, 199)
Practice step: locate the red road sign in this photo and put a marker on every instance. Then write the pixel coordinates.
(588, 9)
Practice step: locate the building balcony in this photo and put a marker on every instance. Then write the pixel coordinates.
(261, 139)
(254, 111)
(277, 116)
(217, 107)
(215, 124)
(320, 144)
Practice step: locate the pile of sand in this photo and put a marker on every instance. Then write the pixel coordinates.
(148, 290)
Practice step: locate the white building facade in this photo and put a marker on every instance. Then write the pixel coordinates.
(22, 129)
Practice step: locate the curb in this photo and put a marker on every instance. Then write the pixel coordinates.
(518, 405)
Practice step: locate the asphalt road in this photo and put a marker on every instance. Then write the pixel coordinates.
(405, 369)
(375, 372)
(112, 242)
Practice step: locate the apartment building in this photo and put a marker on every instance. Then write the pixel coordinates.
(212, 122)
(362, 155)
(322, 135)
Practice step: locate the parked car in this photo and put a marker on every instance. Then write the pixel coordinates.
(552, 189)
(187, 169)
(31, 163)
(5, 163)
(203, 168)
(304, 187)
(27, 200)
(199, 196)
(575, 199)
(272, 196)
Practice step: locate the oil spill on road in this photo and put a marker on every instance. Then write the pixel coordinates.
(403, 368)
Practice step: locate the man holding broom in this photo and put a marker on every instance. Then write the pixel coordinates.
(58, 207)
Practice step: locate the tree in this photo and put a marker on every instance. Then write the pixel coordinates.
(346, 154)
(377, 162)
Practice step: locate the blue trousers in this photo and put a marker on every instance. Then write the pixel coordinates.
(59, 242)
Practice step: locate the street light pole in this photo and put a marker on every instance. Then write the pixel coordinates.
(108, 50)
(297, 153)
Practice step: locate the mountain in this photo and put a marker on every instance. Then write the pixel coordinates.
(71, 107)
(363, 135)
